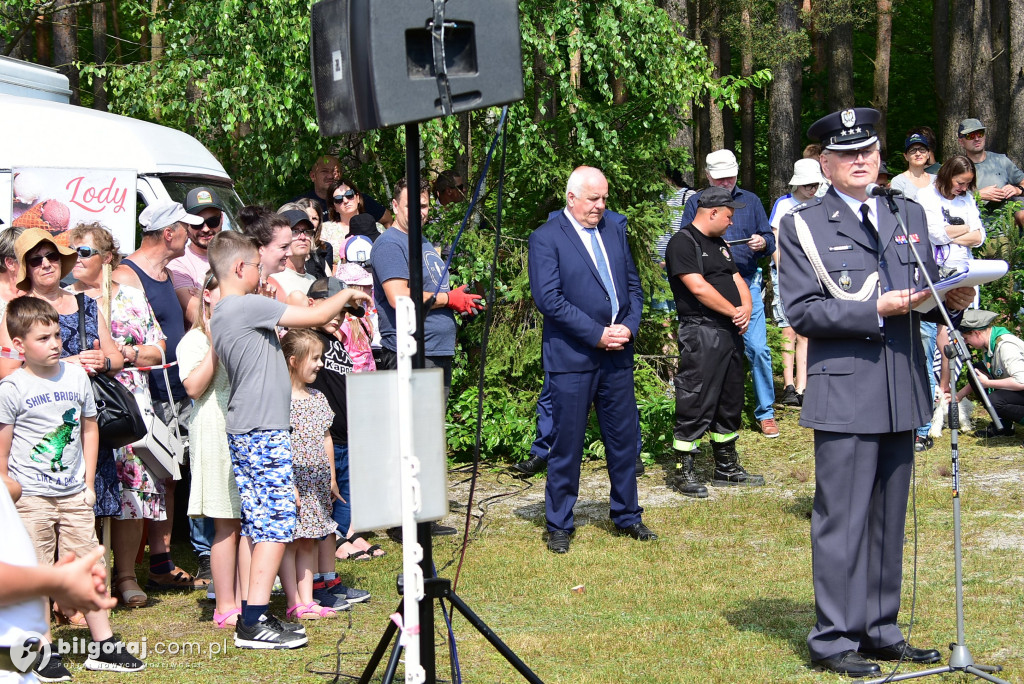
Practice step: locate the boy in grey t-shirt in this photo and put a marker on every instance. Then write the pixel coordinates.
(258, 421)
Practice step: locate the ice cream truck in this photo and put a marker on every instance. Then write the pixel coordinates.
(61, 165)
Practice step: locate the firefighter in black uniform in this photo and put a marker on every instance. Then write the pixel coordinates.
(713, 303)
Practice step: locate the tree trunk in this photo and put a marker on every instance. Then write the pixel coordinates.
(940, 56)
(883, 49)
(983, 95)
(958, 96)
(818, 52)
(746, 107)
(118, 54)
(156, 38)
(1000, 13)
(683, 138)
(711, 26)
(784, 95)
(99, 55)
(65, 46)
(840, 65)
(728, 115)
(1015, 25)
(43, 39)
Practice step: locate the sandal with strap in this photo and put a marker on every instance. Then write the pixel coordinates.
(221, 619)
(76, 619)
(368, 553)
(130, 596)
(176, 579)
(302, 611)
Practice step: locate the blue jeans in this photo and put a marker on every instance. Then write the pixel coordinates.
(928, 332)
(200, 533)
(342, 511)
(755, 342)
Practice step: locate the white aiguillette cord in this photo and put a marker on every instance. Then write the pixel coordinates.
(803, 234)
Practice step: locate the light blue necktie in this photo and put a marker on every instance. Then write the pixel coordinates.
(603, 271)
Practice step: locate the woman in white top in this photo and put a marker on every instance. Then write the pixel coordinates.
(917, 152)
(954, 227)
(803, 186)
(954, 224)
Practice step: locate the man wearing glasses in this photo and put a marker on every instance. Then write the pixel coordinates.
(848, 282)
(188, 270)
(998, 178)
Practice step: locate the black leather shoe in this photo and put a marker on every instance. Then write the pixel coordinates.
(558, 541)
(531, 466)
(637, 531)
(849, 663)
(640, 467)
(909, 653)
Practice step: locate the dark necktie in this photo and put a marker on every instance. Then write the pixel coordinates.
(864, 211)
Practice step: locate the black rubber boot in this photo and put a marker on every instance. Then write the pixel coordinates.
(685, 480)
(728, 471)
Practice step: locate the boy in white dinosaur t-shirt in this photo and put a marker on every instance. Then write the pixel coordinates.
(48, 444)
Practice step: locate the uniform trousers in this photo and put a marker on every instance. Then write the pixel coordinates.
(609, 389)
(857, 533)
(709, 381)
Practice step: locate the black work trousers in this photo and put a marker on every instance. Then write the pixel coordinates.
(709, 381)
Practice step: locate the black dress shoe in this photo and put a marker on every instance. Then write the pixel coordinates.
(531, 466)
(640, 467)
(849, 663)
(902, 649)
(558, 541)
(637, 531)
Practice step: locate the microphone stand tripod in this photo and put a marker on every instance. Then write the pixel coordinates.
(960, 660)
(421, 586)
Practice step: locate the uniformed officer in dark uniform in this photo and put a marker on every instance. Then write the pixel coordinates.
(848, 282)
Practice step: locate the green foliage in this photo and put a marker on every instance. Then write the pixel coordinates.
(1004, 241)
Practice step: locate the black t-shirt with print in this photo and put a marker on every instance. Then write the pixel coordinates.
(331, 381)
(715, 264)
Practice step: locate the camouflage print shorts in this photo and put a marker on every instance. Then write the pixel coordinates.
(262, 461)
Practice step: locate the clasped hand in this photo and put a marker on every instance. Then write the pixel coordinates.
(614, 337)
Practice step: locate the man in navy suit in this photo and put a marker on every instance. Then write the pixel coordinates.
(584, 281)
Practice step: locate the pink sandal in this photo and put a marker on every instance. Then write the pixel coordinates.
(310, 611)
(222, 620)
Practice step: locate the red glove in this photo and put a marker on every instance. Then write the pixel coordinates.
(464, 302)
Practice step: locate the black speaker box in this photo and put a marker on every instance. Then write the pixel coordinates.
(373, 60)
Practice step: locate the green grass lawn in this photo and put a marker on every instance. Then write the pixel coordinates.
(724, 596)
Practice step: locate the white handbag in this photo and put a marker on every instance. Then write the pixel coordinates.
(162, 449)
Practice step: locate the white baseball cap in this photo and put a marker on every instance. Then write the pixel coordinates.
(159, 215)
(722, 164)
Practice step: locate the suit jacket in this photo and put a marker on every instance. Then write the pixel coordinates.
(862, 378)
(568, 291)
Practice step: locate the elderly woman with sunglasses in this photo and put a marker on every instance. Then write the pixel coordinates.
(140, 341)
(345, 204)
(42, 263)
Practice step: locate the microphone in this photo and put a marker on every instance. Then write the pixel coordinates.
(876, 190)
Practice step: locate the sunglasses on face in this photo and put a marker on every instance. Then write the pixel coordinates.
(212, 222)
(974, 135)
(347, 195)
(308, 232)
(37, 260)
(85, 252)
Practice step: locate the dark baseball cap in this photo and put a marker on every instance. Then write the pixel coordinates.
(715, 197)
(296, 216)
(325, 287)
(201, 198)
